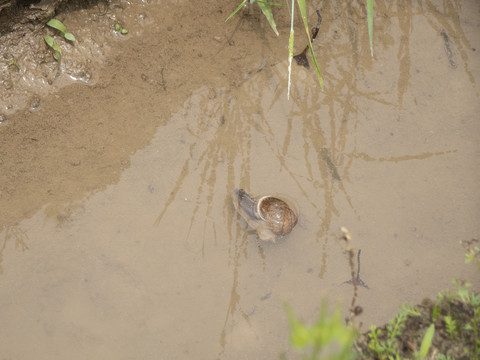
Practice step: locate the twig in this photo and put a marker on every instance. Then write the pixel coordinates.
(354, 310)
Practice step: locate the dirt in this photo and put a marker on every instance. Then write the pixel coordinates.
(460, 343)
(118, 236)
(65, 122)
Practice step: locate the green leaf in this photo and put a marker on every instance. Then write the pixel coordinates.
(236, 10)
(69, 36)
(57, 55)
(57, 52)
(300, 335)
(427, 341)
(49, 40)
(56, 48)
(303, 11)
(370, 24)
(317, 69)
(267, 11)
(56, 24)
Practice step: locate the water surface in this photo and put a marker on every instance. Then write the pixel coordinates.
(119, 237)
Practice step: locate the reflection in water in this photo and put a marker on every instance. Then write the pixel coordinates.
(225, 139)
(446, 22)
(234, 300)
(243, 137)
(20, 238)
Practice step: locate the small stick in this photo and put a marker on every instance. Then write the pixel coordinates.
(354, 310)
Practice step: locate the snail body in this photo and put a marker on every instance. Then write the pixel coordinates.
(271, 217)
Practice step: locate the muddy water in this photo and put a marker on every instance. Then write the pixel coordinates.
(119, 237)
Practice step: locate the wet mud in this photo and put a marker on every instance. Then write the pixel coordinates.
(118, 235)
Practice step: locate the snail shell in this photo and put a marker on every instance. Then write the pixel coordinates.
(269, 216)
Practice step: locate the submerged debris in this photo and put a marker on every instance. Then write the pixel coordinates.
(330, 165)
(448, 49)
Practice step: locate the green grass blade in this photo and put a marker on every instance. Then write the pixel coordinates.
(290, 50)
(267, 11)
(303, 11)
(236, 10)
(427, 341)
(56, 24)
(272, 3)
(370, 24)
(317, 69)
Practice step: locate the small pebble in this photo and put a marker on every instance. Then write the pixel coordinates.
(8, 84)
(35, 104)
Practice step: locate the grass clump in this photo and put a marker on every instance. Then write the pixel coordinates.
(13, 63)
(449, 327)
(385, 345)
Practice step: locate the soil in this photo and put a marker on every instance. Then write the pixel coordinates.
(118, 235)
(461, 344)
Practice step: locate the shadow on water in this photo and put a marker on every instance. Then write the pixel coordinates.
(158, 254)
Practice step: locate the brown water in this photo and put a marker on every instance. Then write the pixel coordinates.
(118, 234)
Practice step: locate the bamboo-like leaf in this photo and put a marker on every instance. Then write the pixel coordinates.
(236, 10)
(267, 11)
(317, 69)
(370, 24)
(57, 24)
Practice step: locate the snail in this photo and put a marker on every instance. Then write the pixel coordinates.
(269, 216)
